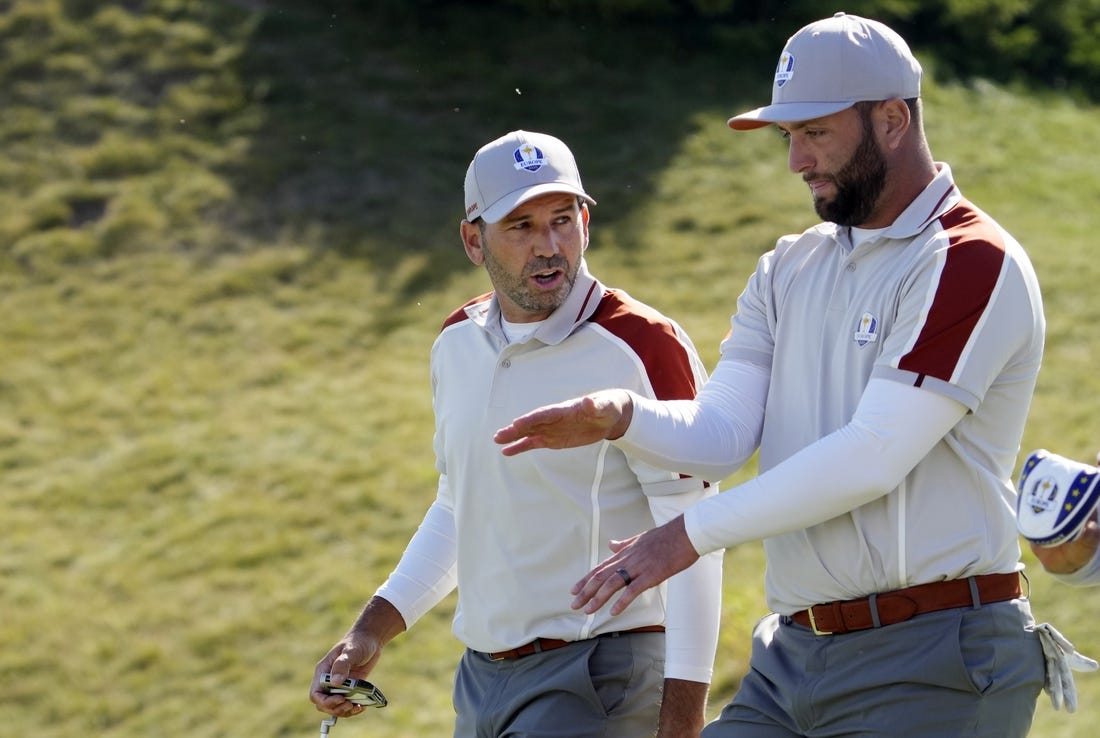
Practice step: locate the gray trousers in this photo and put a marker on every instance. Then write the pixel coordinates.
(962, 672)
(605, 687)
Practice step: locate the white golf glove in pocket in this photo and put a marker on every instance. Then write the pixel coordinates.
(1062, 660)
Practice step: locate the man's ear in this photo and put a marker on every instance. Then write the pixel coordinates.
(585, 215)
(894, 121)
(471, 241)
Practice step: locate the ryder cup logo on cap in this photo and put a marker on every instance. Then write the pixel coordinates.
(832, 64)
(529, 157)
(515, 168)
(784, 70)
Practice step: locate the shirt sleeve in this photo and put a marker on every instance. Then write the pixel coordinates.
(893, 428)
(694, 608)
(694, 596)
(427, 571)
(709, 437)
(970, 312)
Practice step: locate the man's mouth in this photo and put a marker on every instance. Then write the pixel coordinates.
(817, 184)
(546, 277)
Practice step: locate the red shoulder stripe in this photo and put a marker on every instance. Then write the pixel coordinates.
(975, 256)
(460, 315)
(653, 339)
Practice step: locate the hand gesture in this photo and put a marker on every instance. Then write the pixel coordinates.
(639, 563)
(578, 422)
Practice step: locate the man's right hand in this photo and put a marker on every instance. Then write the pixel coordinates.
(354, 656)
(578, 422)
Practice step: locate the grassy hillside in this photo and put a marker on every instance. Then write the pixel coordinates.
(228, 235)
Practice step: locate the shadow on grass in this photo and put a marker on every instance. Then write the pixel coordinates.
(370, 117)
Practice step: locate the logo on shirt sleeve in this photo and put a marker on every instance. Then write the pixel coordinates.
(866, 330)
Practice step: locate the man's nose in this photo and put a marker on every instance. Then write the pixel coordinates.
(798, 158)
(546, 242)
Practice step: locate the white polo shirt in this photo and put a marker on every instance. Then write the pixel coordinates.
(943, 300)
(526, 528)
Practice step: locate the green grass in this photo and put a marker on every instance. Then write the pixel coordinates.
(229, 235)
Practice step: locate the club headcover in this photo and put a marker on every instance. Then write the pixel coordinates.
(1056, 497)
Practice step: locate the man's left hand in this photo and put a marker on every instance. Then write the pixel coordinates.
(639, 563)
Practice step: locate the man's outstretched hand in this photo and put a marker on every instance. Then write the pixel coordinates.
(577, 422)
(639, 563)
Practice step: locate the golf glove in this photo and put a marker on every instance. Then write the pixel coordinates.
(1062, 660)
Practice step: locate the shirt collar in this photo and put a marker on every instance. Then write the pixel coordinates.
(582, 301)
(938, 197)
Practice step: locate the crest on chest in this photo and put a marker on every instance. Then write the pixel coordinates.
(866, 330)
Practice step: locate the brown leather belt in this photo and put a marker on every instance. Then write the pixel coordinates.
(549, 644)
(887, 608)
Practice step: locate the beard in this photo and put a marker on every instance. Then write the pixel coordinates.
(859, 184)
(515, 287)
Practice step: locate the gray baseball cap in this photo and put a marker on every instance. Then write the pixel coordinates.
(831, 65)
(516, 167)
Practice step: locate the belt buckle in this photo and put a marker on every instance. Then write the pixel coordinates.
(813, 624)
